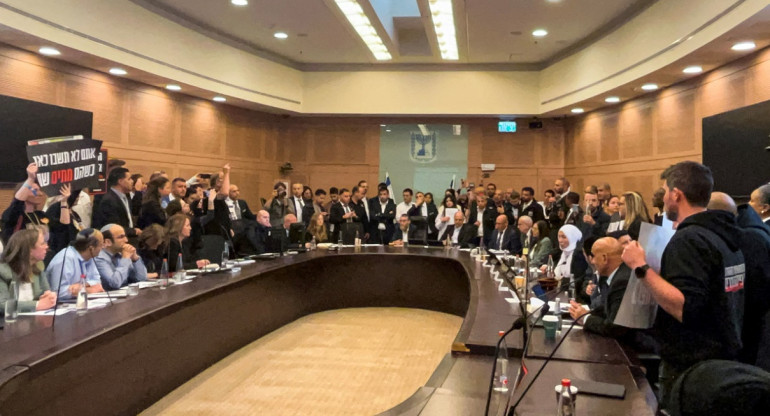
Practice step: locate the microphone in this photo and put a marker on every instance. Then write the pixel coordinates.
(58, 286)
(512, 409)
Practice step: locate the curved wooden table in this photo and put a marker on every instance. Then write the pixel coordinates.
(122, 358)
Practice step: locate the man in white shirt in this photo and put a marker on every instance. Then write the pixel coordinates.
(404, 207)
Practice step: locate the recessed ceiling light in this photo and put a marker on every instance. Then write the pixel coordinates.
(744, 46)
(539, 33)
(118, 71)
(650, 87)
(388, 130)
(612, 100)
(239, 2)
(219, 99)
(280, 35)
(578, 110)
(382, 125)
(695, 69)
(49, 51)
(173, 87)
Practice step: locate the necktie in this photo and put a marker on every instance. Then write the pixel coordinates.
(500, 242)
(604, 288)
(237, 211)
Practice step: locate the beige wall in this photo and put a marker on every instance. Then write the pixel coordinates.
(630, 144)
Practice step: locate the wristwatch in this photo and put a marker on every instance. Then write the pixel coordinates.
(641, 271)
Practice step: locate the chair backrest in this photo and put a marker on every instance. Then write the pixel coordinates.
(213, 245)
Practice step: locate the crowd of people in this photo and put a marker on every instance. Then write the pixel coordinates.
(711, 288)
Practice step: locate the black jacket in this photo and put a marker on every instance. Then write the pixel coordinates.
(467, 234)
(755, 244)
(705, 262)
(511, 240)
(602, 321)
(599, 228)
(112, 211)
(534, 211)
(385, 217)
(152, 213)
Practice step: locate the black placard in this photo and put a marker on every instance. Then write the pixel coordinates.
(70, 160)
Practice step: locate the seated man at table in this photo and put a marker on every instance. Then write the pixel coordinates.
(77, 259)
(613, 279)
(459, 233)
(401, 236)
(118, 263)
(504, 237)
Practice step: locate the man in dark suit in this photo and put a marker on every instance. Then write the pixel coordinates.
(403, 233)
(115, 208)
(529, 206)
(359, 203)
(343, 213)
(596, 221)
(482, 215)
(383, 212)
(243, 222)
(613, 279)
(297, 202)
(504, 237)
(459, 233)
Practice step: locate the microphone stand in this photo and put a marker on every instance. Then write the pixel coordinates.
(512, 409)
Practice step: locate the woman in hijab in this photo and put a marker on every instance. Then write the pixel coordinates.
(570, 269)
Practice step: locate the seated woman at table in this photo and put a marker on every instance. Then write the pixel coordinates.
(152, 250)
(22, 262)
(317, 229)
(539, 252)
(570, 265)
(178, 231)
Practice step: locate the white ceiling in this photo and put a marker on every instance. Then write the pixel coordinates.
(492, 31)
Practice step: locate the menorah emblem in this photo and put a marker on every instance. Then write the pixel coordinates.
(426, 151)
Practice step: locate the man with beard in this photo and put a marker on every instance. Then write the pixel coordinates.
(699, 290)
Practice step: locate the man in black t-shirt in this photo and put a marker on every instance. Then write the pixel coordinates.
(700, 287)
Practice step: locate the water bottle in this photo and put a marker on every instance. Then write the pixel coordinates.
(357, 241)
(549, 270)
(565, 402)
(225, 255)
(12, 303)
(163, 277)
(81, 304)
(557, 311)
(313, 244)
(501, 369)
(181, 273)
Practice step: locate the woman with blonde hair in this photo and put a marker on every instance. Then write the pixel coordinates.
(22, 263)
(178, 239)
(317, 229)
(633, 211)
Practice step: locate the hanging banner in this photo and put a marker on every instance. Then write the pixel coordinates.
(70, 160)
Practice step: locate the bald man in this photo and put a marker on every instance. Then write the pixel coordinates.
(459, 233)
(504, 237)
(613, 279)
(117, 262)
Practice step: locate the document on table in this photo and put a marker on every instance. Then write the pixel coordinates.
(638, 308)
(47, 312)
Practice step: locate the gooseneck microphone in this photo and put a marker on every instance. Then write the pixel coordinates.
(512, 410)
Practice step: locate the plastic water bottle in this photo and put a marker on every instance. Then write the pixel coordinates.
(557, 312)
(225, 255)
(163, 277)
(549, 270)
(357, 241)
(565, 404)
(181, 273)
(81, 303)
(313, 244)
(339, 240)
(12, 303)
(501, 369)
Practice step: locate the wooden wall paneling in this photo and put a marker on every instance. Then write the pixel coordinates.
(28, 78)
(675, 123)
(201, 130)
(609, 147)
(635, 131)
(103, 99)
(152, 120)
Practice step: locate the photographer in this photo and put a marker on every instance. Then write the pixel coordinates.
(278, 205)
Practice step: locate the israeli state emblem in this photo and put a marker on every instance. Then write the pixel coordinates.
(423, 148)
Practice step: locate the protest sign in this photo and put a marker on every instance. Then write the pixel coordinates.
(70, 160)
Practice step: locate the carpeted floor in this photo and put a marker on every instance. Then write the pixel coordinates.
(341, 362)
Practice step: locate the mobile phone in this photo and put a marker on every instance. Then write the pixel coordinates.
(205, 175)
(472, 185)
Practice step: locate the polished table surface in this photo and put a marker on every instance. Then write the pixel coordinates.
(152, 343)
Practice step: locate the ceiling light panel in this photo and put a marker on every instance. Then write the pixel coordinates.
(363, 26)
(444, 26)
